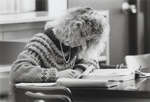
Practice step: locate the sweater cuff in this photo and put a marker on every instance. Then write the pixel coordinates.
(49, 75)
(52, 75)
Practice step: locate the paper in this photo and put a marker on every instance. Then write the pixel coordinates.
(68, 82)
(110, 74)
(36, 84)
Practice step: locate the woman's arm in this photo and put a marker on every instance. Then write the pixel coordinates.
(27, 68)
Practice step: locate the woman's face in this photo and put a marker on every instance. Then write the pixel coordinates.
(76, 43)
(82, 42)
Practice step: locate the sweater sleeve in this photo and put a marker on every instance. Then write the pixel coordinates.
(27, 68)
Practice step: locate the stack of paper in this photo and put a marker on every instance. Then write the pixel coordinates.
(110, 75)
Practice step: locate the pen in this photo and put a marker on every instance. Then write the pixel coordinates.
(87, 72)
(79, 76)
(115, 81)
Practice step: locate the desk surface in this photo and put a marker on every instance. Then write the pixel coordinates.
(139, 88)
(133, 88)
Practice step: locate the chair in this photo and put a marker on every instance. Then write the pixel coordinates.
(140, 64)
(41, 94)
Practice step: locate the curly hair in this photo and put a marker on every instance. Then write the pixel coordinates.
(81, 24)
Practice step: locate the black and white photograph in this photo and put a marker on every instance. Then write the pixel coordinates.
(74, 51)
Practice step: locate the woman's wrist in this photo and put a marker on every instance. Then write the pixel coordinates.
(52, 74)
(49, 75)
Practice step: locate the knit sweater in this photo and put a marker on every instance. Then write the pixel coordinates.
(42, 58)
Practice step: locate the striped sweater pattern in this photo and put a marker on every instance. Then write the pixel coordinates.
(42, 58)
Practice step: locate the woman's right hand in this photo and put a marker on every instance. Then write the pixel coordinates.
(68, 73)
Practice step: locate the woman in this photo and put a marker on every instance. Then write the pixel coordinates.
(60, 51)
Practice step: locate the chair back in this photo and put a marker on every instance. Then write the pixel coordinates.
(43, 94)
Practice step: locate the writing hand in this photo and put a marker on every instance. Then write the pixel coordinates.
(69, 73)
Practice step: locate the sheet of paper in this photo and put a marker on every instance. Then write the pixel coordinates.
(106, 72)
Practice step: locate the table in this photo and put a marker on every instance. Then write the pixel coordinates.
(129, 91)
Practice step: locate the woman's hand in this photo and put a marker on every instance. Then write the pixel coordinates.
(69, 73)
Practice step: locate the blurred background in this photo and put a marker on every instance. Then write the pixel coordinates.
(21, 19)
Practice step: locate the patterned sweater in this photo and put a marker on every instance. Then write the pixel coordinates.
(42, 58)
